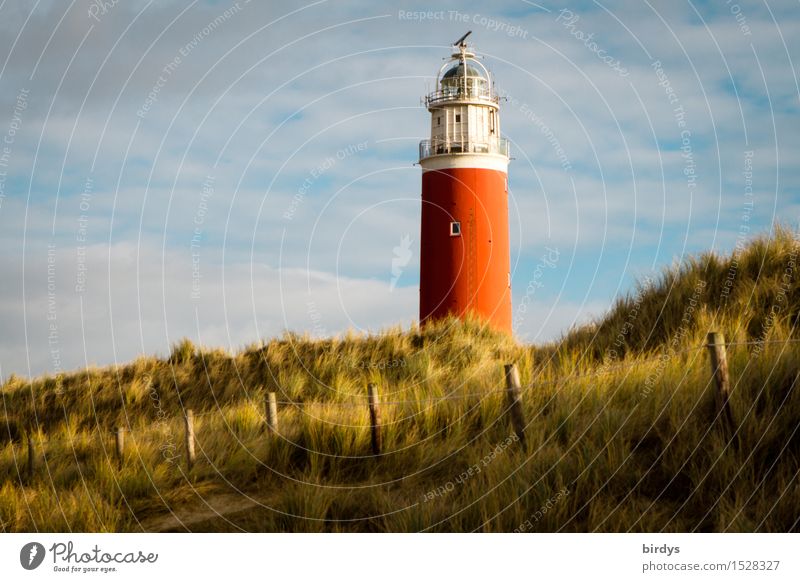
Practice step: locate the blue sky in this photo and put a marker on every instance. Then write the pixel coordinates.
(225, 171)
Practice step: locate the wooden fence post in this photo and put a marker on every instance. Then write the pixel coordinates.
(719, 369)
(120, 445)
(514, 399)
(271, 405)
(190, 457)
(375, 418)
(32, 461)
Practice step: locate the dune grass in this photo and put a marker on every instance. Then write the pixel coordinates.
(622, 432)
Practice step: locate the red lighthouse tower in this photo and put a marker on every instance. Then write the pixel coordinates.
(465, 259)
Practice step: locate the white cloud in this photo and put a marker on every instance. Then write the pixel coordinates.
(630, 205)
(140, 300)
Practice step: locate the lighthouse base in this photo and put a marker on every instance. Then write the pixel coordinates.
(465, 256)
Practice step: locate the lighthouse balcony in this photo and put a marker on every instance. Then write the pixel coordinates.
(470, 94)
(430, 147)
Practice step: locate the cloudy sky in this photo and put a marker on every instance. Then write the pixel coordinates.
(227, 170)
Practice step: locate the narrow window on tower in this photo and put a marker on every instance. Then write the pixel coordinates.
(458, 118)
(455, 228)
(439, 120)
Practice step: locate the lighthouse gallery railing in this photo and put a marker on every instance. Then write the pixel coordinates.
(428, 147)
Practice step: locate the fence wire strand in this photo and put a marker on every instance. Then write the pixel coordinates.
(451, 397)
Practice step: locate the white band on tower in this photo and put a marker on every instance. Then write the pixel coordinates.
(484, 161)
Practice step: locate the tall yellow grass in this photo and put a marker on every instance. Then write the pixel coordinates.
(621, 423)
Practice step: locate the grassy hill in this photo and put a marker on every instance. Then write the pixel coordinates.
(621, 432)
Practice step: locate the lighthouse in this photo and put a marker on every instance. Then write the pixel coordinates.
(464, 255)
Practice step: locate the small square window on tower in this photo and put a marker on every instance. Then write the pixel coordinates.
(455, 228)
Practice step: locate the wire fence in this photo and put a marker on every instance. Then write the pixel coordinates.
(537, 383)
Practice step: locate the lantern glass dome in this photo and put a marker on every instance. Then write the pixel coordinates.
(464, 77)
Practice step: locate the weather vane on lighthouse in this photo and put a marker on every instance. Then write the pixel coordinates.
(465, 258)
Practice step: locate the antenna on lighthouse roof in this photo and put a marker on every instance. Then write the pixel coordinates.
(460, 42)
